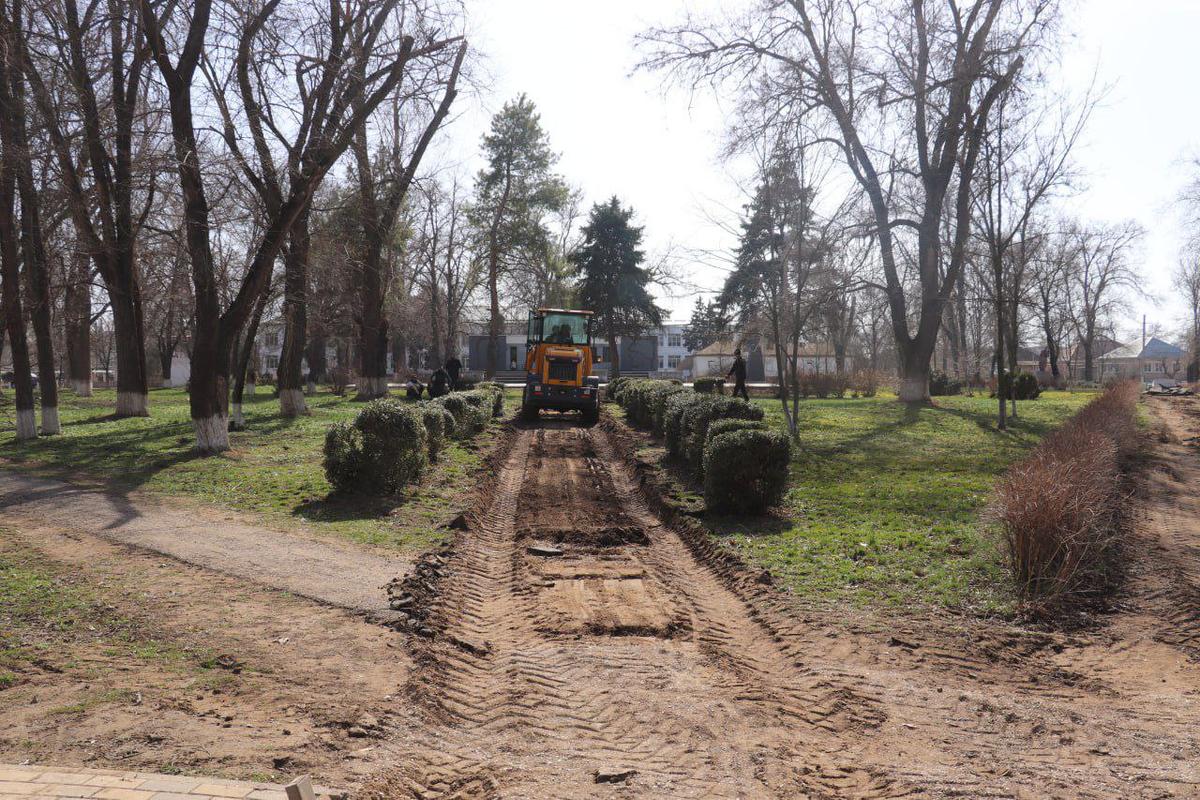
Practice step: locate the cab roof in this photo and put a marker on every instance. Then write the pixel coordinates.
(564, 311)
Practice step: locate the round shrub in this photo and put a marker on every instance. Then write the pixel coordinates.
(942, 385)
(745, 471)
(496, 390)
(719, 426)
(614, 389)
(385, 451)
(343, 452)
(699, 416)
(709, 385)
(466, 415)
(1024, 384)
(673, 411)
(434, 419)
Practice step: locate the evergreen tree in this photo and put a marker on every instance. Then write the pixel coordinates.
(709, 323)
(613, 283)
(514, 192)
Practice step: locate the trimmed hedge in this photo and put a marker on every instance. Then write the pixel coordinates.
(697, 418)
(435, 419)
(709, 385)
(471, 412)
(645, 401)
(942, 385)
(496, 390)
(381, 451)
(1024, 384)
(745, 470)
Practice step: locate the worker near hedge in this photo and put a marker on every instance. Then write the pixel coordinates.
(738, 373)
(439, 382)
(453, 367)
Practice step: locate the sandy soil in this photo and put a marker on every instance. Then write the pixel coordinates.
(579, 639)
(292, 678)
(643, 661)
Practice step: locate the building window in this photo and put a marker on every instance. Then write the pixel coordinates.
(662, 340)
(1147, 367)
(673, 361)
(272, 340)
(272, 362)
(675, 340)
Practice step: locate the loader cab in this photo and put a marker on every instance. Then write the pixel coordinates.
(551, 326)
(558, 363)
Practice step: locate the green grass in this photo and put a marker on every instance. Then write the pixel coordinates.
(885, 501)
(274, 468)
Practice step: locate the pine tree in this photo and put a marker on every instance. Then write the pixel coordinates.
(513, 193)
(613, 283)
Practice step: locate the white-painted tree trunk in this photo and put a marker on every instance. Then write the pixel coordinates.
(250, 387)
(372, 387)
(26, 424)
(914, 390)
(212, 434)
(50, 424)
(133, 404)
(291, 403)
(310, 388)
(239, 422)
(82, 388)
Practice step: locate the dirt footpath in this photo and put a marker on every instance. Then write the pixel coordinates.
(340, 574)
(583, 648)
(179, 669)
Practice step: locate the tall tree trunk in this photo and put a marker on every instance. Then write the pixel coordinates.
(10, 297)
(494, 298)
(373, 331)
(130, 344)
(318, 366)
(243, 354)
(614, 356)
(77, 313)
(295, 320)
(33, 248)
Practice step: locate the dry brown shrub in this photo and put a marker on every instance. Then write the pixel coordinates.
(1060, 510)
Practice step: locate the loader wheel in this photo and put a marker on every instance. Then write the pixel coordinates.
(529, 412)
(591, 414)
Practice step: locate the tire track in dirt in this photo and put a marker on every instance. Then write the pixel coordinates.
(581, 650)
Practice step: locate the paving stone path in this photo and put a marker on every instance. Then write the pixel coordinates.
(26, 782)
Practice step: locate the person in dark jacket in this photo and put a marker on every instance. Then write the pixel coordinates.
(738, 373)
(414, 388)
(439, 383)
(453, 367)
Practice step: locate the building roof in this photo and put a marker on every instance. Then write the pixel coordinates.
(1155, 348)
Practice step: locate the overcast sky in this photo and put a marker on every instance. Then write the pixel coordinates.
(657, 148)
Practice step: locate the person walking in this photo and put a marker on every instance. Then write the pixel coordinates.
(738, 373)
(453, 367)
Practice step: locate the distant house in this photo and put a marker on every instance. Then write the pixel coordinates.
(1155, 362)
(716, 359)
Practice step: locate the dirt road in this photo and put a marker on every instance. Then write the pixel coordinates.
(581, 648)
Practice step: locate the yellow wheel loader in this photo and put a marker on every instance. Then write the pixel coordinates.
(558, 364)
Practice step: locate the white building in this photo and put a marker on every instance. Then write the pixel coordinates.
(671, 350)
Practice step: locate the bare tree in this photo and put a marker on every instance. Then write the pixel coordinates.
(448, 269)
(383, 183)
(1099, 280)
(345, 68)
(1025, 163)
(110, 211)
(908, 88)
(1187, 281)
(33, 246)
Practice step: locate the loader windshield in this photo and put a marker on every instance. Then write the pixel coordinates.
(557, 328)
